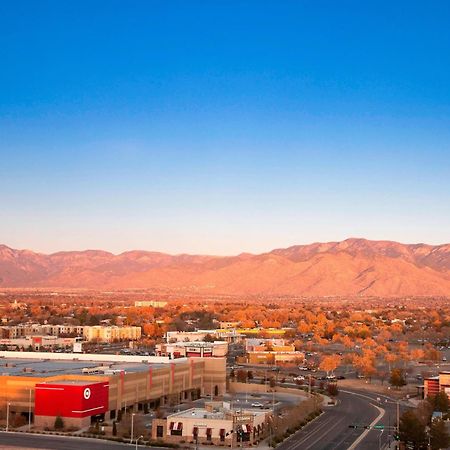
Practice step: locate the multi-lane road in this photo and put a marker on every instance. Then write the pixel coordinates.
(331, 430)
(33, 441)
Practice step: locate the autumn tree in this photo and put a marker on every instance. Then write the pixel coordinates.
(397, 378)
(329, 363)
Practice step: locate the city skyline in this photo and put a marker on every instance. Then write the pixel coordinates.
(223, 128)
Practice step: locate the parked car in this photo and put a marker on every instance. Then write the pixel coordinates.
(257, 405)
(303, 368)
(299, 378)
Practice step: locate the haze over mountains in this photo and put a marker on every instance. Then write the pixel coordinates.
(350, 267)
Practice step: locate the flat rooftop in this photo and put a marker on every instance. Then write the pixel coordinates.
(42, 367)
(71, 382)
(201, 413)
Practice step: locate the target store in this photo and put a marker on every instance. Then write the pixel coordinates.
(79, 402)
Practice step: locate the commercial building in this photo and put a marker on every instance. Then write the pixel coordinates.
(275, 357)
(257, 345)
(434, 385)
(227, 335)
(38, 342)
(216, 424)
(216, 349)
(82, 388)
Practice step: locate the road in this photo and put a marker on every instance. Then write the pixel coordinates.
(34, 441)
(331, 430)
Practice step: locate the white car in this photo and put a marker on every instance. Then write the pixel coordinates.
(299, 378)
(257, 405)
(302, 368)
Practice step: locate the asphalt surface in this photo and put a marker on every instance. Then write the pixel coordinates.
(331, 430)
(33, 441)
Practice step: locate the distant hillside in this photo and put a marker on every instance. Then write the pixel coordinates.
(350, 267)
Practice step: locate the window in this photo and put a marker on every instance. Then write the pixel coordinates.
(159, 431)
(176, 428)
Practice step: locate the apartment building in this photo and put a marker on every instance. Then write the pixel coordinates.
(100, 333)
(150, 303)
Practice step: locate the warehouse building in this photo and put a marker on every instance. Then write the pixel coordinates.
(83, 388)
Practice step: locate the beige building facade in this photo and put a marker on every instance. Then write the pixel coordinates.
(216, 424)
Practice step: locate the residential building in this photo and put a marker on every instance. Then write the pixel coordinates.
(100, 333)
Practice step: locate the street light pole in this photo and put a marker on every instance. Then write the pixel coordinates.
(7, 415)
(132, 428)
(137, 439)
(379, 440)
(398, 417)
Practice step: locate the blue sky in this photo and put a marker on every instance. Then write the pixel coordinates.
(221, 127)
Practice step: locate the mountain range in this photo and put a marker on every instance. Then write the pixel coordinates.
(350, 267)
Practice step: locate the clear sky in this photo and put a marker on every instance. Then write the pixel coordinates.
(223, 126)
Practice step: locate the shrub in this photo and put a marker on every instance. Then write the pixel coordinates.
(59, 423)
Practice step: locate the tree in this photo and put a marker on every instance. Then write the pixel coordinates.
(441, 402)
(390, 358)
(412, 430)
(438, 435)
(241, 376)
(59, 423)
(332, 389)
(330, 363)
(397, 378)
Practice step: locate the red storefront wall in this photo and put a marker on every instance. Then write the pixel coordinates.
(71, 400)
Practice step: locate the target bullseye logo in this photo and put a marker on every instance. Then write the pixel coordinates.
(87, 394)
